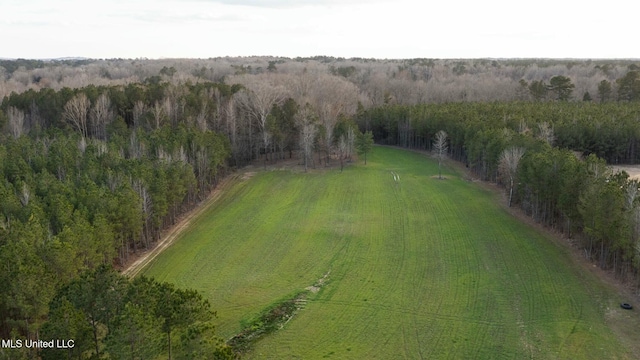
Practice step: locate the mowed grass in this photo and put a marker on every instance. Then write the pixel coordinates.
(417, 269)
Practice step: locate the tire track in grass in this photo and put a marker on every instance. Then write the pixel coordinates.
(372, 289)
(467, 280)
(409, 289)
(509, 304)
(398, 240)
(573, 328)
(397, 246)
(373, 296)
(414, 266)
(406, 346)
(437, 334)
(540, 305)
(454, 257)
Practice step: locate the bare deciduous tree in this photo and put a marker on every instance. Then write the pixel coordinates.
(351, 142)
(342, 150)
(16, 122)
(113, 180)
(201, 165)
(308, 130)
(82, 144)
(101, 116)
(214, 94)
(440, 148)
(158, 113)
(139, 109)
(201, 119)
(333, 96)
(508, 166)
(260, 94)
(76, 111)
(146, 204)
(172, 104)
(229, 111)
(24, 195)
(546, 132)
(135, 147)
(523, 128)
(169, 106)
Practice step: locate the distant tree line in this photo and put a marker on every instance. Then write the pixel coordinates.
(551, 157)
(389, 81)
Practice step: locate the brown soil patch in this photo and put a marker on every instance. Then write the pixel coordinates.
(248, 175)
(319, 284)
(313, 289)
(632, 170)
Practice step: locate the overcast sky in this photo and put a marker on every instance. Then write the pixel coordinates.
(348, 28)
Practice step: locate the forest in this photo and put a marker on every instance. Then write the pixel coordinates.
(98, 157)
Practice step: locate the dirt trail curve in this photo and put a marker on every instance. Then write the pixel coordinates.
(133, 268)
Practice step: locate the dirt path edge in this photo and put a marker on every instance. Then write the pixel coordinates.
(134, 267)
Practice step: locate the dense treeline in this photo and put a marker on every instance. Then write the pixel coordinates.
(610, 130)
(81, 188)
(561, 179)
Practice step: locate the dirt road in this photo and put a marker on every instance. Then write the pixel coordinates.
(133, 268)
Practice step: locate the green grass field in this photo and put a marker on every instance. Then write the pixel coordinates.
(420, 268)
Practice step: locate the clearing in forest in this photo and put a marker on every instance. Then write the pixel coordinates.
(632, 170)
(412, 267)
